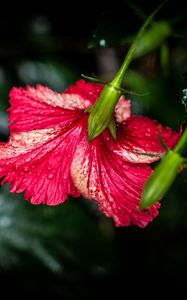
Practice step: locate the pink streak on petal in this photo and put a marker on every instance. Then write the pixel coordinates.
(40, 108)
(101, 175)
(38, 162)
(122, 109)
(139, 135)
(86, 90)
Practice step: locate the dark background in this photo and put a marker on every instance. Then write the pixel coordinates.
(73, 251)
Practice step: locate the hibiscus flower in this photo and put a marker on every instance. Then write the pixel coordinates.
(48, 155)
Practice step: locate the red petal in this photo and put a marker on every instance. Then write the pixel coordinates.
(86, 90)
(139, 135)
(116, 185)
(38, 162)
(42, 108)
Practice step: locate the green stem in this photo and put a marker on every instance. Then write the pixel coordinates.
(116, 82)
(182, 144)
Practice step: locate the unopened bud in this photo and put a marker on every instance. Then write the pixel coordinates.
(161, 179)
(101, 113)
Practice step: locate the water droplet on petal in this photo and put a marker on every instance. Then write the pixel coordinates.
(28, 159)
(146, 145)
(92, 189)
(58, 159)
(50, 175)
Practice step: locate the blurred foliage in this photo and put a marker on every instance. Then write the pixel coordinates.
(72, 251)
(119, 24)
(35, 230)
(58, 239)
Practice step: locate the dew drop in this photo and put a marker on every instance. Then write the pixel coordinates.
(146, 145)
(92, 189)
(28, 159)
(50, 175)
(65, 176)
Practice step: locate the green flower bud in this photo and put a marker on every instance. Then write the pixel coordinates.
(101, 113)
(161, 179)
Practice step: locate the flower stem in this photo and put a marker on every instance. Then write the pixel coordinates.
(182, 144)
(101, 113)
(116, 82)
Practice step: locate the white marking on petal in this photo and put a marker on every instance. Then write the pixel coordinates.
(22, 142)
(67, 101)
(102, 176)
(122, 109)
(136, 155)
